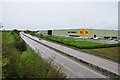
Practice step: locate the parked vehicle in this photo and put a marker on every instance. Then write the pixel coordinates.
(96, 38)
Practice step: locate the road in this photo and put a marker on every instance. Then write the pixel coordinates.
(103, 41)
(102, 63)
(70, 67)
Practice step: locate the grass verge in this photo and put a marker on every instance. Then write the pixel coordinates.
(111, 53)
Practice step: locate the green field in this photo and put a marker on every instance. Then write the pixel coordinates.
(18, 61)
(0, 37)
(85, 43)
(73, 41)
(111, 53)
(76, 42)
(104, 50)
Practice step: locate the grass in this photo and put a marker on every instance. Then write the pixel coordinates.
(111, 53)
(0, 38)
(84, 43)
(74, 41)
(0, 41)
(9, 37)
(81, 44)
(0, 54)
(24, 63)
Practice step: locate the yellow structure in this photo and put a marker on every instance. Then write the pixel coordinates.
(81, 31)
(86, 32)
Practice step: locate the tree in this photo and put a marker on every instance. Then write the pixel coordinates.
(16, 31)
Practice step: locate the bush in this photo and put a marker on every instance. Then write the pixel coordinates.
(31, 65)
(18, 62)
(16, 31)
(21, 46)
(10, 57)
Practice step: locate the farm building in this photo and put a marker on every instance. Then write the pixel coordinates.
(83, 33)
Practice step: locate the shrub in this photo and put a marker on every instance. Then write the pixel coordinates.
(31, 65)
(16, 31)
(18, 62)
(20, 45)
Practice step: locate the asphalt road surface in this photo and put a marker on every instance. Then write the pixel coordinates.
(104, 41)
(103, 63)
(70, 67)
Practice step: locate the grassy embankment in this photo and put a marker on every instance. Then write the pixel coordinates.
(0, 54)
(109, 51)
(20, 62)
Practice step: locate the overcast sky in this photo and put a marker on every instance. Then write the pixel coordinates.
(59, 15)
